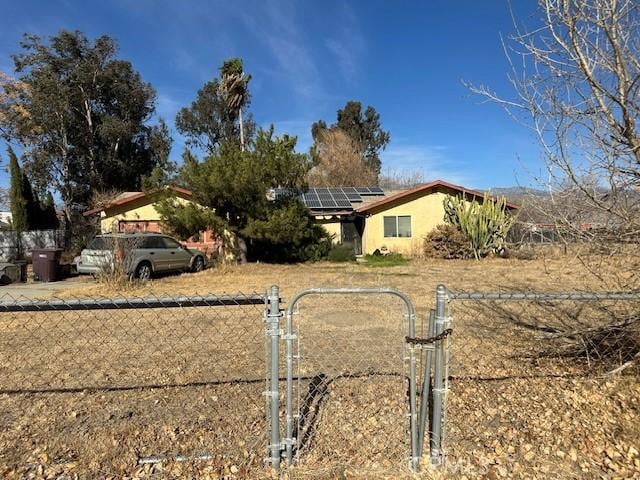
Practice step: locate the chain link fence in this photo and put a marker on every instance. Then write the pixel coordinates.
(541, 384)
(219, 385)
(332, 383)
(99, 386)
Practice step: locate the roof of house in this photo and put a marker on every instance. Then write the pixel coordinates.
(423, 188)
(128, 197)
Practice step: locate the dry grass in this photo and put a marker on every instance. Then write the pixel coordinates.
(512, 413)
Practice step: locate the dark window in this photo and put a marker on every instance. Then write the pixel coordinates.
(390, 227)
(170, 243)
(99, 243)
(404, 226)
(153, 242)
(397, 227)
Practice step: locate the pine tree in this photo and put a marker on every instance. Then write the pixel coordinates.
(50, 218)
(16, 194)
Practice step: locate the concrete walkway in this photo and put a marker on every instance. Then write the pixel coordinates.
(39, 290)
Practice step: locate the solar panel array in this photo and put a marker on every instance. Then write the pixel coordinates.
(338, 197)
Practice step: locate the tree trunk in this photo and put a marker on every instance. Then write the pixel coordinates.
(242, 251)
(241, 131)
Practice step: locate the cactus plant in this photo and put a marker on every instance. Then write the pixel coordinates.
(485, 225)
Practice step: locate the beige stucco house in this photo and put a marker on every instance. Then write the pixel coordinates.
(136, 212)
(398, 221)
(365, 217)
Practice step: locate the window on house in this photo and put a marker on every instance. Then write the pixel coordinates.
(399, 227)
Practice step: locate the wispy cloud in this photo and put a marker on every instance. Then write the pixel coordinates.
(277, 27)
(431, 160)
(348, 44)
(167, 106)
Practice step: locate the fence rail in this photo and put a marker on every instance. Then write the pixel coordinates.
(9, 304)
(586, 296)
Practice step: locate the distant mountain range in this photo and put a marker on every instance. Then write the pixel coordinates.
(516, 194)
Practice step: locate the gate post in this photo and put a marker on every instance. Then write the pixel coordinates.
(426, 385)
(273, 319)
(436, 421)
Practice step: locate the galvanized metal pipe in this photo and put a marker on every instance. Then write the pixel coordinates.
(415, 458)
(426, 386)
(289, 400)
(436, 420)
(446, 352)
(10, 305)
(544, 296)
(273, 314)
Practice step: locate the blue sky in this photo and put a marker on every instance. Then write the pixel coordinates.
(407, 59)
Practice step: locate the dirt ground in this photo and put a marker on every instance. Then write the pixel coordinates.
(91, 393)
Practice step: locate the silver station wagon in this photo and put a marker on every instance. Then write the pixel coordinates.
(140, 255)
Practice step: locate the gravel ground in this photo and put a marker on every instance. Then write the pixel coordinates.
(89, 394)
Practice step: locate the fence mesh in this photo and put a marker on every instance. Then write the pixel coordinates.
(530, 385)
(98, 386)
(351, 384)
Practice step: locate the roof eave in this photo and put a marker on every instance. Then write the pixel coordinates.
(421, 188)
(133, 198)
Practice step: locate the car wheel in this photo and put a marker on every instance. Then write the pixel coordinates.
(198, 264)
(143, 271)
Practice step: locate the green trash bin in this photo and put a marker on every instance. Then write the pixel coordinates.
(46, 263)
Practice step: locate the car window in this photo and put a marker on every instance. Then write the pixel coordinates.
(171, 243)
(153, 242)
(99, 243)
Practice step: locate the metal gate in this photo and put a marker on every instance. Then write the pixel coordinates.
(350, 385)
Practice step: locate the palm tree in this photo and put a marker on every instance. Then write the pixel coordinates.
(234, 87)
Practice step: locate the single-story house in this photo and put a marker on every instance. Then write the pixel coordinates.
(366, 217)
(397, 221)
(133, 212)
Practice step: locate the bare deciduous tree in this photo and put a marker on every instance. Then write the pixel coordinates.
(396, 179)
(340, 162)
(576, 78)
(577, 87)
(103, 198)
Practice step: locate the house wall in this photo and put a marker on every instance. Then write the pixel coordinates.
(141, 210)
(426, 211)
(332, 226)
(142, 216)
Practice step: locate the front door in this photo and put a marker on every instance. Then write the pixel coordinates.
(351, 234)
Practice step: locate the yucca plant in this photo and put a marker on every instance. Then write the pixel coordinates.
(485, 225)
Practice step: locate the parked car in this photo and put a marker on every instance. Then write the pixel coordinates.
(140, 255)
